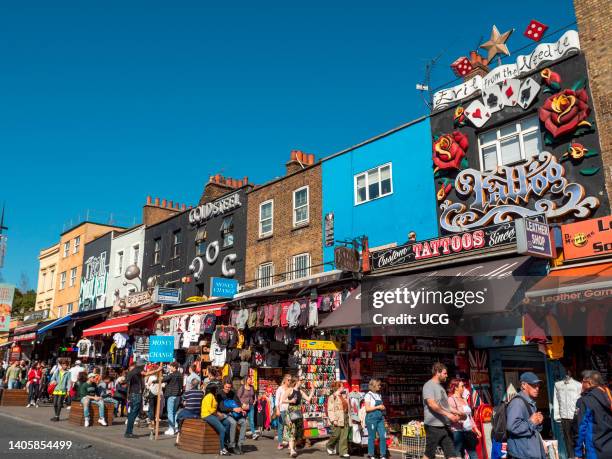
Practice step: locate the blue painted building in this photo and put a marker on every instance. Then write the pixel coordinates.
(382, 188)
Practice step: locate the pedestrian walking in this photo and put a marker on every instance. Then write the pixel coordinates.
(465, 432)
(247, 397)
(375, 418)
(524, 421)
(60, 383)
(13, 373)
(34, 377)
(337, 412)
(134, 394)
(172, 394)
(210, 415)
(294, 397)
(438, 415)
(154, 386)
(281, 410)
(594, 418)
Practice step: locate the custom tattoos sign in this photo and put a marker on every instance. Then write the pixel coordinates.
(493, 237)
(536, 187)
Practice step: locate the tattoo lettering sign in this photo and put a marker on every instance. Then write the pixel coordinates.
(443, 247)
(537, 187)
(543, 54)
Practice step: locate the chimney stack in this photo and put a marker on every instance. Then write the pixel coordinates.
(148, 200)
(298, 161)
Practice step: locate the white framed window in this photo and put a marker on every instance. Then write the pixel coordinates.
(300, 206)
(510, 144)
(300, 266)
(43, 283)
(227, 231)
(373, 184)
(266, 218)
(66, 249)
(135, 254)
(69, 308)
(157, 251)
(77, 244)
(265, 275)
(52, 279)
(176, 243)
(119, 263)
(73, 277)
(59, 311)
(63, 280)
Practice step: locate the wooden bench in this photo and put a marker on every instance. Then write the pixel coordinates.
(14, 397)
(77, 416)
(198, 436)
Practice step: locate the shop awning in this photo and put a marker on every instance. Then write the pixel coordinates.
(30, 336)
(8, 343)
(24, 329)
(505, 276)
(56, 323)
(315, 280)
(118, 324)
(216, 309)
(591, 282)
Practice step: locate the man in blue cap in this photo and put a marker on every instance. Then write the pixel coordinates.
(524, 421)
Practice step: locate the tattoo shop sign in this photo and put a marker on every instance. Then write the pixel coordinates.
(510, 192)
(542, 55)
(493, 237)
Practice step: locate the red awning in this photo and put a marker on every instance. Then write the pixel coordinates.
(118, 324)
(216, 309)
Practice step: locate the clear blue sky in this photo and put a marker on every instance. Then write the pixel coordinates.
(103, 103)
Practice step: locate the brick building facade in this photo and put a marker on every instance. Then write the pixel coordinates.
(593, 26)
(284, 225)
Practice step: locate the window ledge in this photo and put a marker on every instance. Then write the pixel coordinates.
(264, 237)
(300, 226)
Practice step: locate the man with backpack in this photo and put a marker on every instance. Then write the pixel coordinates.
(594, 418)
(524, 421)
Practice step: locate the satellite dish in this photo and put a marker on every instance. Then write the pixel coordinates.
(132, 272)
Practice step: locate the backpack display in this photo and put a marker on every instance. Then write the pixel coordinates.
(499, 431)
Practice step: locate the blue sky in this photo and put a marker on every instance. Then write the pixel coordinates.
(104, 103)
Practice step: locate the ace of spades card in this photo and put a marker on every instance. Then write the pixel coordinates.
(528, 92)
(477, 113)
(510, 92)
(492, 98)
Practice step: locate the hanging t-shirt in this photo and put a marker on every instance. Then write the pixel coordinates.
(194, 324)
(313, 314)
(241, 320)
(141, 345)
(283, 317)
(244, 369)
(217, 355)
(337, 300)
(293, 314)
(120, 340)
(208, 323)
(83, 346)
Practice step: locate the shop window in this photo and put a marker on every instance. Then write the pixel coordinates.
(69, 310)
(300, 206)
(156, 251)
(176, 244)
(59, 311)
(265, 275)
(266, 217)
(73, 275)
(373, 184)
(77, 244)
(300, 266)
(227, 231)
(119, 265)
(66, 249)
(63, 280)
(510, 144)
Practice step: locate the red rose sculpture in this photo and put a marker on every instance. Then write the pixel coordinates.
(449, 150)
(565, 111)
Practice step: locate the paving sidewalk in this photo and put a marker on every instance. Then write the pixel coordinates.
(265, 447)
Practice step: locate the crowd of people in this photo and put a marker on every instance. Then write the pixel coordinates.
(147, 391)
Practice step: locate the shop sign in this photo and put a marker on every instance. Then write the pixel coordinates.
(166, 295)
(25, 337)
(37, 316)
(223, 288)
(543, 54)
(533, 238)
(161, 348)
(589, 238)
(93, 284)
(201, 214)
(137, 299)
(329, 229)
(491, 237)
(514, 192)
(7, 292)
(15, 354)
(346, 259)
(318, 345)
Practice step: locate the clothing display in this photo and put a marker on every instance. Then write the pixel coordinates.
(120, 340)
(83, 347)
(566, 394)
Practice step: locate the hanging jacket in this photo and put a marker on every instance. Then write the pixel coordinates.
(566, 394)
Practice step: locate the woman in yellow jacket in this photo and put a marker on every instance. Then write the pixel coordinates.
(209, 414)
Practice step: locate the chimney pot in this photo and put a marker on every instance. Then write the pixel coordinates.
(245, 180)
(177, 206)
(148, 200)
(293, 155)
(164, 202)
(191, 207)
(183, 206)
(170, 204)
(157, 202)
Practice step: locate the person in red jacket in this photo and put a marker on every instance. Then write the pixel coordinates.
(34, 376)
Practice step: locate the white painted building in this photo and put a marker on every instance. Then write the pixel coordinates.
(127, 249)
